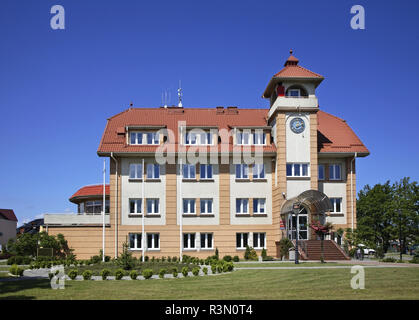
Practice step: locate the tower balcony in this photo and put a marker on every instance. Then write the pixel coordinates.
(288, 103)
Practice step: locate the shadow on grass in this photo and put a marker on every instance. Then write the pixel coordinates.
(14, 288)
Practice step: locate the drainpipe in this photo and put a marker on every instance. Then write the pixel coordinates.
(116, 207)
(352, 191)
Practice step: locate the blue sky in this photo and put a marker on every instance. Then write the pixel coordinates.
(58, 87)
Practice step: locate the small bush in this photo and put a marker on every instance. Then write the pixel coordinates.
(146, 258)
(174, 259)
(175, 272)
(15, 270)
(205, 270)
(227, 258)
(169, 259)
(195, 271)
(162, 272)
(73, 274)
(250, 254)
(220, 268)
(147, 273)
(133, 274)
(95, 259)
(388, 259)
(185, 271)
(87, 274)
(214, 268)
(50, 275)
(105, 273)
(119, 274)
(415, 259)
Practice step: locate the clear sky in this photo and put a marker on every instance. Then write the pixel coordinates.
(58, 87)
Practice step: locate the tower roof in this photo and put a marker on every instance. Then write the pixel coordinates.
(292, 71)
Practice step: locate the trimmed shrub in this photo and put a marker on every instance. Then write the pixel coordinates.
(95, 259)
(146, 258)
(119, 274)
(415, 259)
(388, 259)
(205, 270)
(87, 274)
(147, 273)
(174, 259)
(15, 270)
(250, 254)
(105, 273)
(195, 271)
(220, 268)
(230, 266)
(263, 254)
(73, 274)
(217, 256)
(227, 258)
(133, 274)
(162, 272)
(175, 272)
(214, 268)
(185, 271)
(169, 259)
(236, 259)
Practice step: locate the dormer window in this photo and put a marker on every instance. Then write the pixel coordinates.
(136, 138)
(152, 138)
(144, 138)
(246, 137)
(198, 138)
(243, 138)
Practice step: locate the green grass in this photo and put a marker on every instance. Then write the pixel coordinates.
(380, 283)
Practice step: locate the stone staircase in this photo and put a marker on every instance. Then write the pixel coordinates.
(311, 250)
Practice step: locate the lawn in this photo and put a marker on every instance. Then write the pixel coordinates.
(380, 283)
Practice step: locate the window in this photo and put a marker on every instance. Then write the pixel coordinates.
(189, 206)
(293, 92)
(206, 206)
(205, 138)
(189, 241)
(153, 241)
(259, 240)
(337, 205)
(206, 171)
(259, 171)
(152, 138)
(94, 207)
(242, 206)
(243, 138)
(242, 240)
(259, 138)
(206, 241)
(135, 206)
(334, 172)
(135, 241)
(188, 171)
(321, 172)
(153, 171)
(259, 206)
(136, 138)
(135, 171)
(152, 206)
(81, 207)
(297, 170)
(242, 171)
(191, 138)
(107, 206)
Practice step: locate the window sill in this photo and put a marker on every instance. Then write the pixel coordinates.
(189, 180)
(135, 249)
(207, 249)
(242, 180)
(207, 215)
(337, 214)
(243, 215)
(153, 180)
(134, 215)
(260, 180)
(192, 249)
(189, 215)
(153, 215)
(260, 215)
(148, 249)
(135, 179)
(299, 178)
(206, 180)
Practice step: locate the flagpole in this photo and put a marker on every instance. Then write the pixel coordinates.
(103, 210)
(142, 212)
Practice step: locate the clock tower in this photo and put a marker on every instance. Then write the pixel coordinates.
(293, 117)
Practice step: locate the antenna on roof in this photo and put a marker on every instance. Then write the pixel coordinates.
(164, 94)
(180, 94)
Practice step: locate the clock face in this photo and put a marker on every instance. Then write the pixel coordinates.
(297, 125)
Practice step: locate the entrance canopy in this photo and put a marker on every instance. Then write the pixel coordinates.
(315, 201)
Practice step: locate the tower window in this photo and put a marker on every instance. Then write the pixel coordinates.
(293, 93)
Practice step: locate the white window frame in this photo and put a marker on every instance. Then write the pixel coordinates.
(153, 240)
(244, 170)
(190, 204)
(241, 206)
(294, 90)
(324, 172)
(189, 245)
(206, 201)
(138, 171)
(137, 134)
(205, 168)
(335, 166)
(95, 204)
(240, 135)
(261, 202)
(154, 165)
(258, 236)
(334, 204)
(155, 138)
(257, 171)
(293, 166)
(204, 237)
(153, 206)
(137, 206)
(257, 136)
(188, 168)
(135, 241)
(242, 244)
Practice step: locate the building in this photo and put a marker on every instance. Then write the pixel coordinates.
(31, 227)
(224, 177)
(8, 223)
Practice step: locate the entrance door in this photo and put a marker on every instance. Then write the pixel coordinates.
(303, 227)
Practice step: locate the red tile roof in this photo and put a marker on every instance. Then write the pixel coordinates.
(293, 70)
(335, 135)
(94, 191)
(8, 214)
(221, 118)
